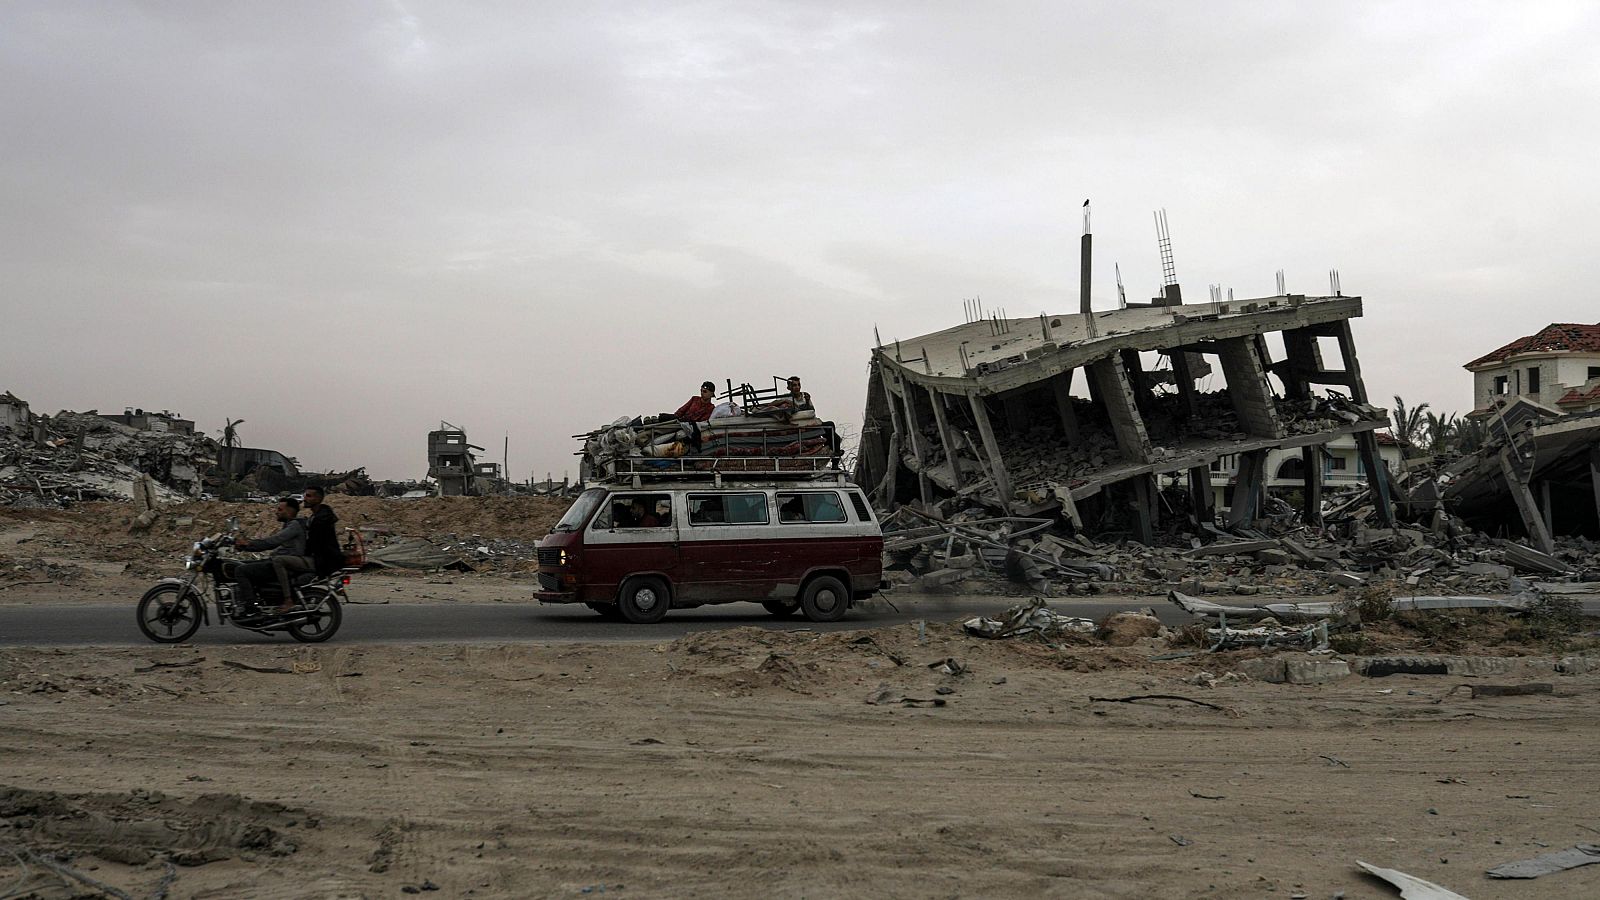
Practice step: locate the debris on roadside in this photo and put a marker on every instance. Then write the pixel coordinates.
(1033, 618)
(1549, 863)
(1410, 886)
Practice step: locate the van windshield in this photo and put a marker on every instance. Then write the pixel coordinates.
(586, 503)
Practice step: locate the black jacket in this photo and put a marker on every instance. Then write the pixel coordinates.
(322, 541)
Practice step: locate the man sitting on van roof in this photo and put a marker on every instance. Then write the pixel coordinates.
(698, 408)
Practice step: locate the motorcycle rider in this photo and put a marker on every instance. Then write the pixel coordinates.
(290, 541)
(322, 537)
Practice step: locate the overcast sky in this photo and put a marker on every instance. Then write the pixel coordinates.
(344, 222)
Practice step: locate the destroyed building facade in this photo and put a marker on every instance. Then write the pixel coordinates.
(1559, 366)
(985, 410)
(143, 420)
(1537, 471)
(454, 469)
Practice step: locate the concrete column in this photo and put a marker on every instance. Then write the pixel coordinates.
(1247, 488)
(1113, 389)
(1134, 366)
(1517, 484)
(1201, 495)
(1311, 458)
(1377, 477)
(897, 438)
(1002, 480)
(917, 440)
(1184, 376)
(1544, 506)
(1061, 387)
(942, 422)
(1248, 388)
(1594, 477)
(1144, 509)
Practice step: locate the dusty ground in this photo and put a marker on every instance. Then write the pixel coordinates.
(749, 763)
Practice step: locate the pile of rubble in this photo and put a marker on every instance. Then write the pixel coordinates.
(75, 457)
(923, 550)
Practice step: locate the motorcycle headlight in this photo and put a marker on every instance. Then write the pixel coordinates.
(188, 564)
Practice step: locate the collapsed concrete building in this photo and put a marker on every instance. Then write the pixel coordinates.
(984, 412)
(454, 469)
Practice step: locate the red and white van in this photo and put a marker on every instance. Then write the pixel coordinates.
(638, 551)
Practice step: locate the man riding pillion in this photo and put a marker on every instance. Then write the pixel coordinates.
(322, 536)
(289, 542)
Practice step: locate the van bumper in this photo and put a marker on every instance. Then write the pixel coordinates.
(556, 596)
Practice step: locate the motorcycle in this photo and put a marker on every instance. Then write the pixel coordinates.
(175, 608)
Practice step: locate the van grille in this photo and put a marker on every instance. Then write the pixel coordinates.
(550, 556)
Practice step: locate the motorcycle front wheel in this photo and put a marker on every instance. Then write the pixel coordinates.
(167, 618)
(320, 623)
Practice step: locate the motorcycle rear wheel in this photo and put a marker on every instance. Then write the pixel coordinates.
(167, 618)
(320, 624)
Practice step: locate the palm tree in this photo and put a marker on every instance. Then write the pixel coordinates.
(1441, 432)
(230, 440)
(1409, 424)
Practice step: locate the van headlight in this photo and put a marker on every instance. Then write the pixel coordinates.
(562, 558)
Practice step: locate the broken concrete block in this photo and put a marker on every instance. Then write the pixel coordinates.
(1346, 579)
(1273, 557)
(1311, 670)
(1483, 568)
(1384, 666)
(1481, 665)
(1124, 629)
(1271, 669)
(943, 577)
(1578, 665)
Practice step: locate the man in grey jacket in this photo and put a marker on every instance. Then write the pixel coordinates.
(289, 541)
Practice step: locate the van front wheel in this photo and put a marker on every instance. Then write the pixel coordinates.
(644, 600)
(825, 599)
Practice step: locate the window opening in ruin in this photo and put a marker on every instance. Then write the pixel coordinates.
(1533, 380)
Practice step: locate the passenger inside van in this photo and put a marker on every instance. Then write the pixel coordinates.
(642, 517)
(707, 511)
(792, 509)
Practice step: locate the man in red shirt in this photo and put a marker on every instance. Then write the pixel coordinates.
(698, 409)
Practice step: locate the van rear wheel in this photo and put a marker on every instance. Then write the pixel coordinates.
(644, 600)
(781, 608)
(825, 599)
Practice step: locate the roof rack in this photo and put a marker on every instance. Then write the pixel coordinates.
(639, 471)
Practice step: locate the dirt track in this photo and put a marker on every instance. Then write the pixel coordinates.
(749, 763)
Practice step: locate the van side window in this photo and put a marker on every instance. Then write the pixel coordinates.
(727, 509)
(863, 512)
(821, 506)
(636, 511)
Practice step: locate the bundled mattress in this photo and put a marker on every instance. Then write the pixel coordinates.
(761, 444)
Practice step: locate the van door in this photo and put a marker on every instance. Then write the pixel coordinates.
(634, 533)
(725, 556)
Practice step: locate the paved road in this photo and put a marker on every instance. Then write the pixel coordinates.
(114, 625)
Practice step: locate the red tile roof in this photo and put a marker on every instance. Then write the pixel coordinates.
(1556, 337)
(1578, 396)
